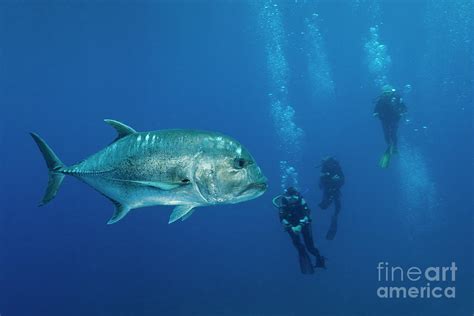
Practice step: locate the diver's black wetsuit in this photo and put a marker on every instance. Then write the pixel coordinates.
(331, 180)
(294, 212)
(389, 108)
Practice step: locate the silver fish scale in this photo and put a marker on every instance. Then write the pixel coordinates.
(184, 168)
(153, 156)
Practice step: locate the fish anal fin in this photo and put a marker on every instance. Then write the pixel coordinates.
(120, 212)
(181, 212)
(122, 129)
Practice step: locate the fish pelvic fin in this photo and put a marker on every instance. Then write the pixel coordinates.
(55, 167)
(120, 212)
(122, 129)
(182, 212)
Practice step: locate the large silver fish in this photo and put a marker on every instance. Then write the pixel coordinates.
(186, 168)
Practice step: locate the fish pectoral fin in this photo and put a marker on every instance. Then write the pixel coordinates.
(120, 212)
(181, 212)
(122, 129)
(166, 186)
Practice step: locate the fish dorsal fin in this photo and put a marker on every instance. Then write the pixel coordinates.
(181, 211)
(122, 129)
(120, 212)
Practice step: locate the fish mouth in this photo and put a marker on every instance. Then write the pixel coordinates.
(258, 186)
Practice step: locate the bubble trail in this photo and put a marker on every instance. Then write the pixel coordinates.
(416, 187)
(319, 71)
(283, 114)
(378, 59)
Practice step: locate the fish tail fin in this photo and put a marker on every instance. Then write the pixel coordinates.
(55, 167)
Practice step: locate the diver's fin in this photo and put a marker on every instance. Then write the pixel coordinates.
(122, 129)
(332, 229)
(320, 262)
(54, 166)
(181, 211)
(159, 185)
(305, 262)
(394, 150)
(120, 212)
(385, 160)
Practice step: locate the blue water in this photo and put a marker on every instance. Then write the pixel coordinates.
(292, 81)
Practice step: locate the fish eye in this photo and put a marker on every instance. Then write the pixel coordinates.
(240, 163)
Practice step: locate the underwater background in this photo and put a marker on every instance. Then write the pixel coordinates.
(293, 81)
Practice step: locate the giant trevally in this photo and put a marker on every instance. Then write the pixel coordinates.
(186, 168)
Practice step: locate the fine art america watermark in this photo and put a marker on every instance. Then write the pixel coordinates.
(415, 282)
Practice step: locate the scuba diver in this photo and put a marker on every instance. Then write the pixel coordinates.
(389, 108)
(330, 181)
(295, 218)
